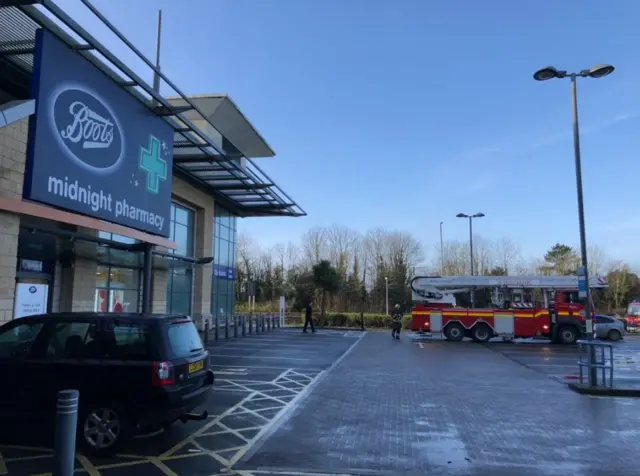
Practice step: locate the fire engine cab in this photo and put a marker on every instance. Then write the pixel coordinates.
(632, 317)
(554, 312)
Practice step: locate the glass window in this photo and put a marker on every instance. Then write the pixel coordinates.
(131, 341)
(223, 257)
(183, 339)
(68, 340)
(224, 240)
(113, 237)
(181, 237)
(117, 289)
(182, 216)
(17, 341)
(179, 282)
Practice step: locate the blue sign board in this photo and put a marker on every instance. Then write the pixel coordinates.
(224, 272)
(93, 148)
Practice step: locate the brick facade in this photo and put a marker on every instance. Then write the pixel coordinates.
(13, 148)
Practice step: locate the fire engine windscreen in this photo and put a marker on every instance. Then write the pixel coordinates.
(634, 309)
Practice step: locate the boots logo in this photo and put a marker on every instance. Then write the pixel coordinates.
(87, 129)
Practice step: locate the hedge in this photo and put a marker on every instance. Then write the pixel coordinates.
(350, 319)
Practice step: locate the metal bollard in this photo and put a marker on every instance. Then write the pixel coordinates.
(243, 323)
(269, 322)
(250, 325)
(217, 329)
(235, 327)
(65, 433)
(226, 328)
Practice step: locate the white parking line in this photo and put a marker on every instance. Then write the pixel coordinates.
(250, 367)
(266, 345)
(261, 357)
(574, 366)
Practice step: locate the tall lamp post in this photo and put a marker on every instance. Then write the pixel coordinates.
(596, 72)
(386, 300)
(471, 217)
(441, 252)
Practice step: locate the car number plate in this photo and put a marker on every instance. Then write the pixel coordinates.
(195, 366)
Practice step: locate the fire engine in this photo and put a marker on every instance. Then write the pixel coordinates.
(632, 318)
(558, 314)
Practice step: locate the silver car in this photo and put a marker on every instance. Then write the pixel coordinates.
(610, 328)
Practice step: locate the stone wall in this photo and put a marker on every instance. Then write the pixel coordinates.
(13, 149)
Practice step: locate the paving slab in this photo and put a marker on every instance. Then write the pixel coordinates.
(393, 407)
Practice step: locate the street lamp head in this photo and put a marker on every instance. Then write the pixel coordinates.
(478, 215)
(462, 215)
(546, 73)
(600, 71)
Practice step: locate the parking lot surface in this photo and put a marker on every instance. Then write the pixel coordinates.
(258, 378)
(441, 408)
(561, 361)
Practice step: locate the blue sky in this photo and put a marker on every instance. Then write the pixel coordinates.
(403, 113)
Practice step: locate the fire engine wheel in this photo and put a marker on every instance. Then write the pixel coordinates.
(454, 332)
(568, 335)
(481, 333)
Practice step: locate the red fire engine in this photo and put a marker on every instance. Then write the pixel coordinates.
(559, 315)
(632, 318)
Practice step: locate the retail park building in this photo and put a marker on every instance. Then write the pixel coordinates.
(112, 197)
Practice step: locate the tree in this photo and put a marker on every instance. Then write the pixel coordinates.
(560, 260)
(326, 280)
(507, 255)
(621, 281)
(598, 261)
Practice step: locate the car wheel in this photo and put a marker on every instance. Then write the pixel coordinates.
(614, 335)
(481, 333)
(103, 428)
(454, 332)
(568, 335)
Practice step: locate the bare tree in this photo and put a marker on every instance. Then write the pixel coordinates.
(245, 249)
(598, 261)
(314, 245)
(620, 283)
(507, 255)
(340, 244)
(483, 256)
(293, 255)
(456, 258)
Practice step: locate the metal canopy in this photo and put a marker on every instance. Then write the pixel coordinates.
(203, 154)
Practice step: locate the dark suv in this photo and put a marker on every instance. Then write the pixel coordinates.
(134, 372)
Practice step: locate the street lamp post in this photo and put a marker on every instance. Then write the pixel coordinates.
(386, 301)
(598, 71)
(441, 252)
(471, 217)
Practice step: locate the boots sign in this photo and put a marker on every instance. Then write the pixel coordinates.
(94, 149)
(88, 131)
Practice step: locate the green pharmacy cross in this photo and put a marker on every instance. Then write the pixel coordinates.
(153, 165)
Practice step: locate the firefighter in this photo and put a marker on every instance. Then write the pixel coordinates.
(396, 322)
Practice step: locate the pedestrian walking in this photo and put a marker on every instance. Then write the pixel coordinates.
(396, 322)
(308, 318)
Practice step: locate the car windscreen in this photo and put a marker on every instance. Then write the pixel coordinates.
(184, 339)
